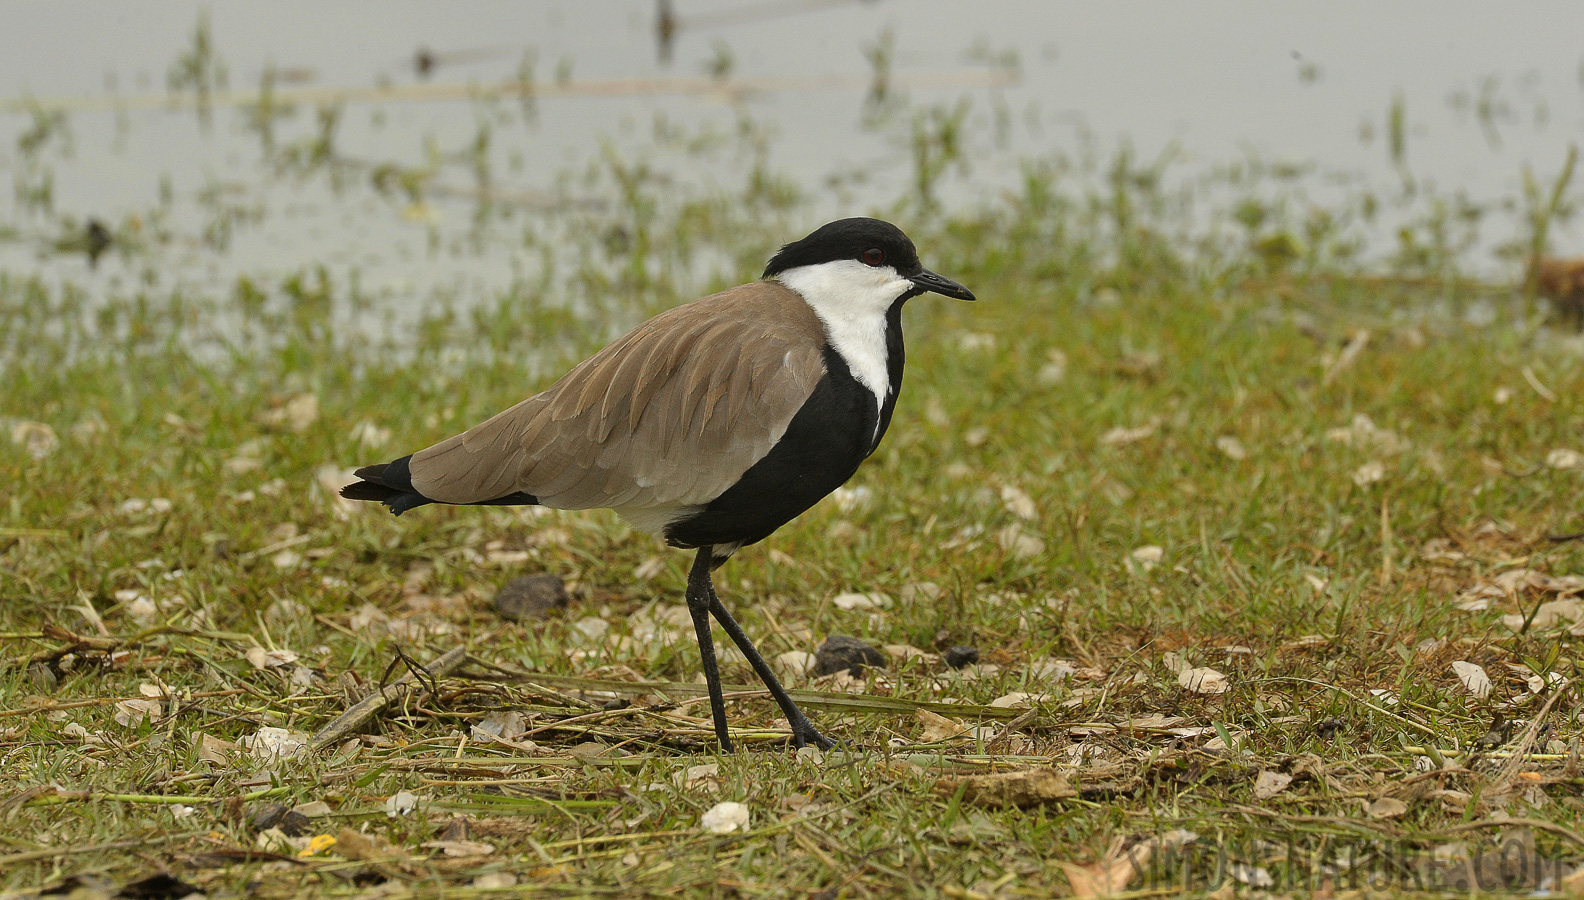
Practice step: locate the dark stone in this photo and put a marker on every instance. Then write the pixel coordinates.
(842, 652)
(279, 815)
(163, 886)
(295, 824)
(267, 815)
(530, 597)
(961, 655)
(458, 829)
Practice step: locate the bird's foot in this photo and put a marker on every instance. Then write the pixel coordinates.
(805, 734)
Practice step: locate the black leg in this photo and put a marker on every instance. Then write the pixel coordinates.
(803, 731)
(699, 593)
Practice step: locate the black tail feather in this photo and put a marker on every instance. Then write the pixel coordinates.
(372, 473)
(368, 490)
(391, 484)
(395, 474)
(400, 503)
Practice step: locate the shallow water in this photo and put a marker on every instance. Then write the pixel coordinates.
(1485, 89)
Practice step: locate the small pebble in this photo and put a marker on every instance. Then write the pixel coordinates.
(961, 655)
(267, 815)
(840, 652)
(530, 597)
(163, 884)
(279, 815)
(458, 829)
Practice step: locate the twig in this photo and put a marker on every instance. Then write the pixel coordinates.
(1007, 730)
(80, 643)
(517, 676)
(371, 706)
(587, 717)
(1504, 779)
(417, 671)
(77, 643)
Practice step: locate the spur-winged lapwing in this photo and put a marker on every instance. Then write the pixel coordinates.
(712, 424)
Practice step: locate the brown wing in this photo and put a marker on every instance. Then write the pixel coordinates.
(672, 414)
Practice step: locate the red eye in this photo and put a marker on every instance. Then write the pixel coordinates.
(874, 257)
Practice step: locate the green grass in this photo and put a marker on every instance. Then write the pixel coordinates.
(1306, 584)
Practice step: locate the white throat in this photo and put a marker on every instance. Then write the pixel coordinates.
(851, 300)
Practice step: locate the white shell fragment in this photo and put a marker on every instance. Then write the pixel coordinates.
(1269, 784)
(1473, 678)
(1203, 681)
(271, 743)
(724, 818)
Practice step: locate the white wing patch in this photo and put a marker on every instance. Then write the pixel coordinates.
(851, 300)
(654, 519)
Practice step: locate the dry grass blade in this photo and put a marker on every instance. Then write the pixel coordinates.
(365, 710)
(1509, 772)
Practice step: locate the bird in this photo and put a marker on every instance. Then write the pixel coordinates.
(711, 425)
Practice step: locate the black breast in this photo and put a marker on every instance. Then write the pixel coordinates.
(836, 430)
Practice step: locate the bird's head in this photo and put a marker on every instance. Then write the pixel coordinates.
(866, 262)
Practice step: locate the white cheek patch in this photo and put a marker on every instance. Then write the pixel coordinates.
(851, 300)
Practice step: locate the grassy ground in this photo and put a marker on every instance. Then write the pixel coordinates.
(1212, 532)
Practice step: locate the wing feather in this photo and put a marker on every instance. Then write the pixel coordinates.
(669, 415)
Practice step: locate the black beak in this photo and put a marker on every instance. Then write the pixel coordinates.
(927, 282)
